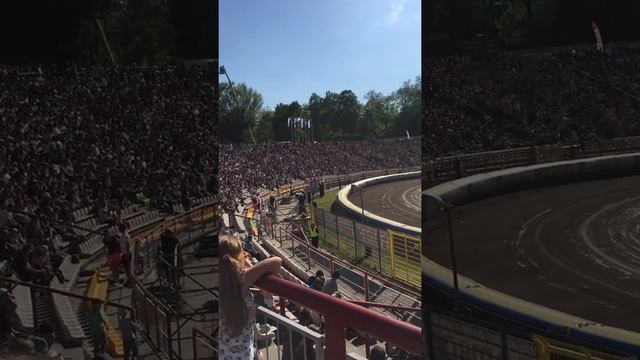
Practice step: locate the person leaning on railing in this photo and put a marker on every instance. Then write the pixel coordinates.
(238, 318)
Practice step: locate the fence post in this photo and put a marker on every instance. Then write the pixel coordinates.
(158, 325)
(194, 335)
(336, 347)
(34, 308)
(355, 241)
(337, 232)
(379, 251)
(324, 228)
(366, 287)
(170, 338)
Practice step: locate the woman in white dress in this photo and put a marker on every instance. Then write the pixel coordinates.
(238, 318)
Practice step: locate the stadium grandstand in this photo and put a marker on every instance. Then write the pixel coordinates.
(536, 97)
(261, 198)
(100, 164)
(534, 129)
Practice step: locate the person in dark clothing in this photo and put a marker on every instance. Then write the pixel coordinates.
(6, 309)
(378, 353)
(316, 282)
(168, 247)
(301, 199)
(114, 254)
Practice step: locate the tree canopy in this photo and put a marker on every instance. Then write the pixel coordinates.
(140, 32)
(454, 25)
(334, 116)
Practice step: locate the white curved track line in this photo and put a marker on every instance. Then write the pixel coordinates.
(410, 202)
(587, 238)
(525, 227)
(402, 209)
(561, 264)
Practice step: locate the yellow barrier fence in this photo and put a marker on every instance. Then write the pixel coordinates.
(549, 349)
(404, 252)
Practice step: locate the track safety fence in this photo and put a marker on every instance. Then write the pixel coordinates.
(371, 247)
(443, 169)
(355, 282)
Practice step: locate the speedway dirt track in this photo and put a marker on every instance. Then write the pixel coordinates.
(398, 200)
(574, 247)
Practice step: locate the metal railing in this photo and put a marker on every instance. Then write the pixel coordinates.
(357, 283)
(340, 314)
(162, 326)
(278, 337)
(453, 167)
(204, 346)
(355, 241)
(338, 181)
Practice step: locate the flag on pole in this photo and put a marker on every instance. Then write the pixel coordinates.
(408, 136)
(596, 32)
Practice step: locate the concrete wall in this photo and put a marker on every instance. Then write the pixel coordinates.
(343, 201)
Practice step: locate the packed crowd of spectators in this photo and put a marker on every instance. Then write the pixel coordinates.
(512, 99)
(76, 136)
(248, 167)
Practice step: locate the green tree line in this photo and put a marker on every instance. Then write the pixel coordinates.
(335, 116)
(140, 32)
(456, 24)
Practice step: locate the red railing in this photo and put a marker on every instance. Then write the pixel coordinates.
(340, 314)
(400, 290)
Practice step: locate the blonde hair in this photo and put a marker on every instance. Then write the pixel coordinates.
(232, 287)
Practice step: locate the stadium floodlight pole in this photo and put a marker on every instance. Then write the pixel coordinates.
(106, 43)
(223, 71)
(235, 96)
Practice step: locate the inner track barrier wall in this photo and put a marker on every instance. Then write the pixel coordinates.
(366, 216)
(558, 336)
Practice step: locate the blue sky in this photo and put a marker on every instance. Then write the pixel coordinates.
(288, 49)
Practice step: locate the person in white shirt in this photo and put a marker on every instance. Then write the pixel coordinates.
(125, 241)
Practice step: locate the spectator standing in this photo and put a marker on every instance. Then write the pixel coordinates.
(114, 255)
(238, 310)
(168, 248)
(313, 233)
(125, 248)
(96, 329)
(128, 333)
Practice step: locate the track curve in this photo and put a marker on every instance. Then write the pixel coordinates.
(574, 247)
(398, 200)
